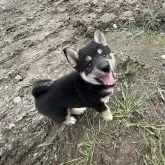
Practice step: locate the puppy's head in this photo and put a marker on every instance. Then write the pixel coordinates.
(94, 62)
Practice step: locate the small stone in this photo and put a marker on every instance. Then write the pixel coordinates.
(118, 89)
(20, 117)
(94, 2)
(163, 5)
(163, 57)
(55, 156)
(35, 155)
(10, 106)
(127, 15)
(99, 10)
(120, 1)
(6, 87)
(114, 26)
(12, 125)
(107, 29)
(17, 99)
(131, 1)
(107, 17)
(18, 77)
(90, 31)
(61, 9)
(9, 147)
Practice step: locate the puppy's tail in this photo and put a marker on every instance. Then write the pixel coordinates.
(41, 87)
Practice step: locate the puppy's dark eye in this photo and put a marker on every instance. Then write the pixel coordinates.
(89, 64)
(104, 54)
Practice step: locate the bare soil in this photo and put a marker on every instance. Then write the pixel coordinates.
(32, 35)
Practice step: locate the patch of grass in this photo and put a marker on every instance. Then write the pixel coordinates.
(154, 147)
(151, 21)
(85, 150)
(152, 143)
(152, 129)
(99, 133)
(151, 146)
(129, 102)
(156, 154)
(132, 28)
(93, 138)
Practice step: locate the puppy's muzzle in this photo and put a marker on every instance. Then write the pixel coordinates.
(105, 67)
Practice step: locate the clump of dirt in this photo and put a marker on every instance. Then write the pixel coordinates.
(32, 35)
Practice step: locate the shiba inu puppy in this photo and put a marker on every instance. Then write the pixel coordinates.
(89, 86)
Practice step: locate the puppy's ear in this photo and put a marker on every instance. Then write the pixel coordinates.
(99, 37)
(71, 56)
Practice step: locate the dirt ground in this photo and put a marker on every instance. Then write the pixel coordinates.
(32, 35)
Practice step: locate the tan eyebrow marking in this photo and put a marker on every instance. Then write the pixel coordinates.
(99, 51)
(88, 58)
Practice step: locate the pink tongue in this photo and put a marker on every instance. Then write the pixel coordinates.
(108, 79)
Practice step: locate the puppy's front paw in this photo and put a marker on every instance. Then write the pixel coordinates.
(70, 120)
(107, 115)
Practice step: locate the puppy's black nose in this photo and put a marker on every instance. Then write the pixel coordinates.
(105, 67)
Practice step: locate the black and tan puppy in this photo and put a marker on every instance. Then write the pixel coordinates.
(90, 85)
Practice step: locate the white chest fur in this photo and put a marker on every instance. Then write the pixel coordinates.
(106, 98)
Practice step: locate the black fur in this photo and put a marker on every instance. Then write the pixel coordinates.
(70, 91)
(41, 87)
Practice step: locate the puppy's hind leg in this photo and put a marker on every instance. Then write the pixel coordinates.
(59, 115)
(70, 120)
(77, 111)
